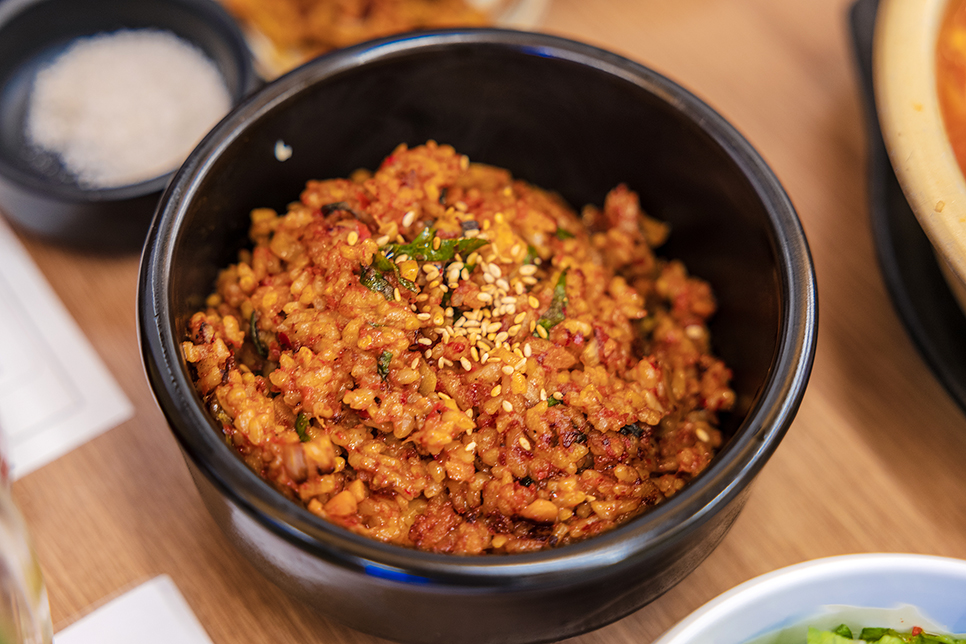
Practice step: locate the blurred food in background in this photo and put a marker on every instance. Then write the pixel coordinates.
(285, 33)
(951, 76)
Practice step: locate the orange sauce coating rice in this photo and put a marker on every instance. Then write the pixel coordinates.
(439, 356)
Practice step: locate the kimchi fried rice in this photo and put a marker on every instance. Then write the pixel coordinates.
(438, 356)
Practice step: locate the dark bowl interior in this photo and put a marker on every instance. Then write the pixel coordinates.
(564, 116)
(35, 190)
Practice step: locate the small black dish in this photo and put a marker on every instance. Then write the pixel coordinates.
(37, 195)
(567, 117)
(919, 293)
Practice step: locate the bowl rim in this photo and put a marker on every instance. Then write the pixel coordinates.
(696, 624)
(212, 13)
(905, 44)
(769, 418)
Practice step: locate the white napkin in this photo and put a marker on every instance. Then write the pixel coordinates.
(153, 613)
(55, 393)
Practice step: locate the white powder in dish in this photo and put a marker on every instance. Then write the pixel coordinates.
(125, 107)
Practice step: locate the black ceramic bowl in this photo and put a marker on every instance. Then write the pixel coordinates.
(35, 192)
(565, 116)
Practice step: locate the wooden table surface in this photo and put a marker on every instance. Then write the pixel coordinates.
(872, 463)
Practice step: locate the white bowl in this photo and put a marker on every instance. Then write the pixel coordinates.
(886, 590)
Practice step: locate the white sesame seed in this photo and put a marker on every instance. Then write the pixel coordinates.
(396, 294)
(702, 435)
(542, 332)
(423, 316)
(508, 370)
(484, 297)
(414, 363)
(496, 391)
(409, 218)
(466, 363)
(524, 443)
(507, 405)
(425, 342)
(382, 241)
(558, 395)
(694, 331)
(527, 350)
(533, 302)
(471, 446)
(528, 269)
(352, 238)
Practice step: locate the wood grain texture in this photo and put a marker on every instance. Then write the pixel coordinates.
(871, 463)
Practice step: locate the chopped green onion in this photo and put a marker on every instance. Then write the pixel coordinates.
(632, 429)
(373, 280)
(554, 315)
(302, 426)
(421, 248)
(253, 331)
(382, 365)
(384, 265)
(531, 255)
